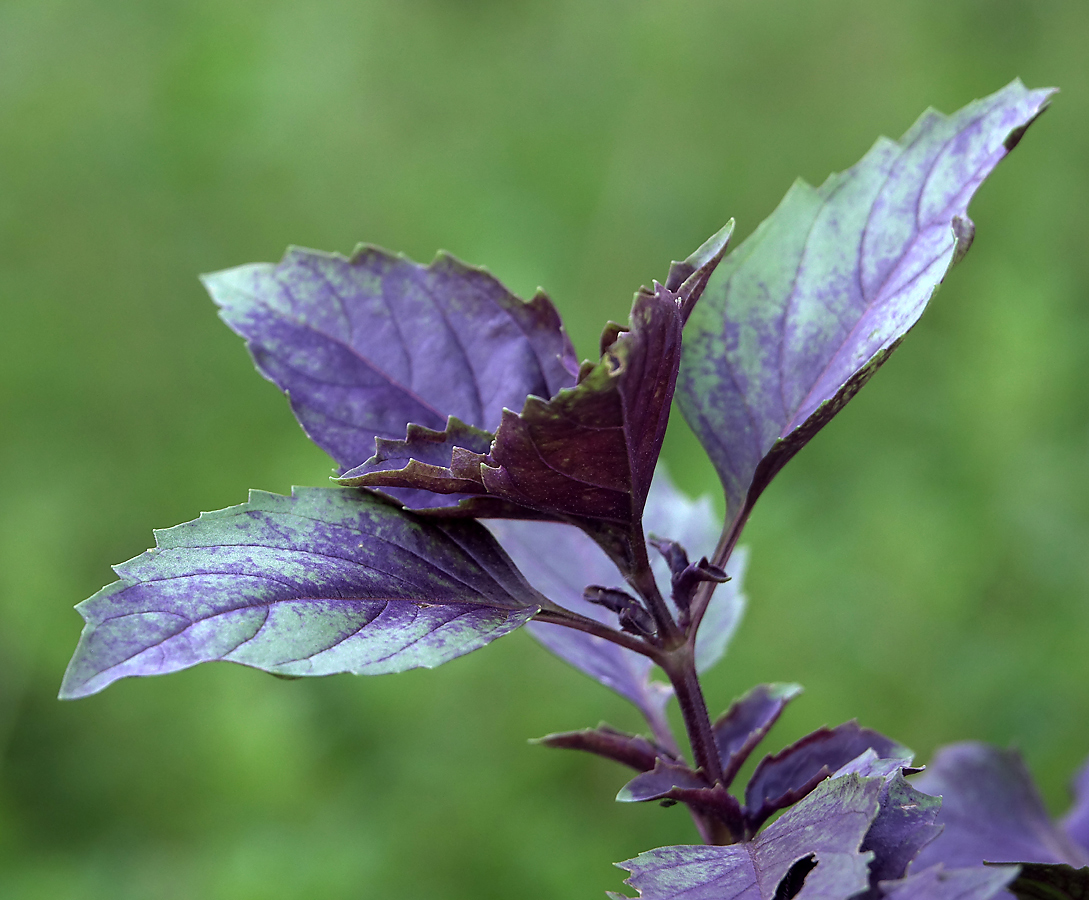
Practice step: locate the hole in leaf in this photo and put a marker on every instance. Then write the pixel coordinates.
(794, 879)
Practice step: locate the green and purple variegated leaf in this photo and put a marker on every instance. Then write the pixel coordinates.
(561, 560)
(327, 580)
(939, 883)
(825, 829)
(743, 726)
(1076, 822)
(803, 312)
(991, 811)
(1051, 881)
(783, 778)
(366, 345)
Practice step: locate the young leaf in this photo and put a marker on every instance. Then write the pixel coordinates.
(327, 580)
(991, 811)
(798, 317)
(364, 346)
(1043, 881)
(560, 560)
(1076, 823)
(826, 829)
(783, 778)
(628, 749)
(743, 726)
(670, 514)
(939, 883)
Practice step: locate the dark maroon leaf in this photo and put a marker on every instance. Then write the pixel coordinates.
(327, 580)
(991, 811)
(688, 278)
(590, 451)
(827, 827)
(1043, 881)
(366, 345)
(743, 726)
(629, 749)
(785, 777)
(1076, 823)
(799, 317)
(939, 883)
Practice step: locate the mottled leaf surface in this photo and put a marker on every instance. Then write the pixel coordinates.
(561, 560)
(1076, 823)
(802, 313)
(828, 826)
(365, 345)
(1042, 881)
(327, 580)
(905, 823)
(785, 777)
(743, 726)
(991, 811)
(939, 883)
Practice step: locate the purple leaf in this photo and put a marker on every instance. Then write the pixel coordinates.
(785, 777)
(826, 829)
(590, 451)
(939, 883)
(991, 811)
(688, 278)
(364, 346)
(1050, 881)
(660, 781)
(903, 826)
(629, 749)
(670, 515)
(327, 580)
(560, 560)
(1076, 823)
(747, 721)
(799, 316)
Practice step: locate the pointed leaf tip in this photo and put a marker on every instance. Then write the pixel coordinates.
(800, 315)
(368, 344)
(327, 580)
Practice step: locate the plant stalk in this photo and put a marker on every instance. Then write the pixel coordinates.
(680, 666)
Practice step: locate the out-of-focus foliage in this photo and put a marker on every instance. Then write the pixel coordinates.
(922, 564)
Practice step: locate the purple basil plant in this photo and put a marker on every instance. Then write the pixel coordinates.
(489, 481)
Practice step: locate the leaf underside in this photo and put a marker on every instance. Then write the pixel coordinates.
(327, 580)
(802, 313)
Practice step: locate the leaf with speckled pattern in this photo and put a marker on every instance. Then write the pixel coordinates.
(327, 580)
(828, 826)
(366, 345)
(802, 313)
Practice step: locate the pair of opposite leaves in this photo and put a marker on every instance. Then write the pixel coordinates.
(426, 364)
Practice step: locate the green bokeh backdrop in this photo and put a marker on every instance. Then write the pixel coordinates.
(923, 565)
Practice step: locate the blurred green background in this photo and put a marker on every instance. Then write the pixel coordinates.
(923, 565)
